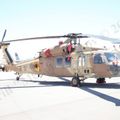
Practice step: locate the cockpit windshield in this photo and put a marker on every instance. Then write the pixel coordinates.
(101, 58)
(111, 56)
(118, 55)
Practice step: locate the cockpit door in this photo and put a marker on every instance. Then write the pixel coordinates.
(100, 68)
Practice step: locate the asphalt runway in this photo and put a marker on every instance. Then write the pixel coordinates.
(50, 98)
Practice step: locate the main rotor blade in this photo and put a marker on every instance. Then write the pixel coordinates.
(33, 38)
(4, 35)
(72, 35)
(113, 40)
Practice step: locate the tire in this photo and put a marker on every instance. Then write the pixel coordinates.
(17, 78)
(101, 80)
(75, 82)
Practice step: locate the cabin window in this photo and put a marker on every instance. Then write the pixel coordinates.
(67, 61)
(63, 62)
(98, 59)
(82, 61)
(59, 62)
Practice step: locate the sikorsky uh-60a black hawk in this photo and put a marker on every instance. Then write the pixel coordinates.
(67, 59)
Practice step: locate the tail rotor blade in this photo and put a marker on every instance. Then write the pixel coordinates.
(4, 35)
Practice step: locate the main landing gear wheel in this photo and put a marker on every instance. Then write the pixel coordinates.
(100, 80)
(75, 82)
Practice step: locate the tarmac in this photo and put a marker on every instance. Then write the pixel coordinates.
(51, 98)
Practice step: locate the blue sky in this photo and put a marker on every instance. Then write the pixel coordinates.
(30, 18)
(41, 17)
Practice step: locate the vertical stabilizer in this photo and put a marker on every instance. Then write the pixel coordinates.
(17, 57)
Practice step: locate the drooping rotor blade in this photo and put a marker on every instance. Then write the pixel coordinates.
(33, 38)
(49, 37)
(4, 35)
(113, 40)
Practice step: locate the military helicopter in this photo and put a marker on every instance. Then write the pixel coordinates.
(67, 59)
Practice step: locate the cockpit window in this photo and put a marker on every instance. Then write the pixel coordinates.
(111, 56)
(107, 56)
(118, 55)
(98, 59)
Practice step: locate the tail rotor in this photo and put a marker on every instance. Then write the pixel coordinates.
(2, 43)
(4, 35)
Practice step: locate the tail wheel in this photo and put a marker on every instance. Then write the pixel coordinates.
(3, 69)
(17, 78)
(75, 82)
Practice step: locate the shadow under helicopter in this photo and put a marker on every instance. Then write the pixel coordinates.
(84, 86)
(106, 97)
(87, 87)
(15, 84)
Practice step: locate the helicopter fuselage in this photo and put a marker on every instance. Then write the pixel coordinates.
(71, 60)
(98, 64)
